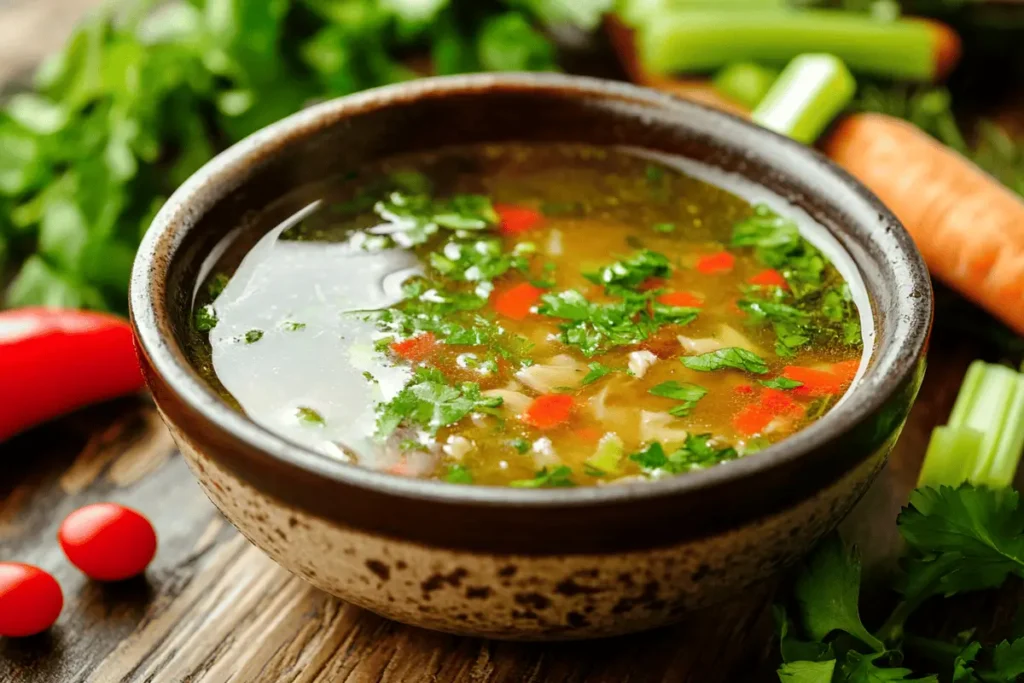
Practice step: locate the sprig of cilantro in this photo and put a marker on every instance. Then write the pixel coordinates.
(698, 451)
(732, 357)
(559, 477)
(430, 402)
(688, 394)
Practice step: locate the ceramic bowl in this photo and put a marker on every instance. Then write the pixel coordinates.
(515, 563)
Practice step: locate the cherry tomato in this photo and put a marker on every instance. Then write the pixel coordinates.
(30, 600)
(108, 542)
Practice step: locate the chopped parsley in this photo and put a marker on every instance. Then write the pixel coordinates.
(253, 336)
(664, 228)
(777, 243)
(458, 474)
(793, 327)
(673, 315)
(411, 219)
(217, 285)
(480, 260)
(430, 402)
(697, 452)
(732, 357)
(559, 477)
(597, 371)
(685, 392)
(593, 328)
(654, 174)
(292, 326)
(206, 318)
(309, 416)
(631, 272)
(521, 445)
(780, 383)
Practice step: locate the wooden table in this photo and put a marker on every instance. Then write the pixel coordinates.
(212, 608)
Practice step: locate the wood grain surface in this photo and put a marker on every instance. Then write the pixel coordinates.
(213, 609)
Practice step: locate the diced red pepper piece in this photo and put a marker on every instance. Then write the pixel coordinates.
(846, 370)
(815, 382)
(517, 301)
(752, 419)
(549, 411)
(415, 348)
(683, 299)
(744, 389)
(516, 219)
(713, 264)
(769, 278)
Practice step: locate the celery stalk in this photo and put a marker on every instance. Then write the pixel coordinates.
(637, 12)
(704, 40)
(945, 463)
(807, 95)
(608, 455)
(745, 82)
(968, 393)
(1001, 462)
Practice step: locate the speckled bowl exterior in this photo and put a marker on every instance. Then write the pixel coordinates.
(513, 563)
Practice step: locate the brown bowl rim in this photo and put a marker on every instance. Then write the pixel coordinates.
(893, 359)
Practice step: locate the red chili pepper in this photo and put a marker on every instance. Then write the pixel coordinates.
(549, 411)
(712, 264)
(517, 301)
(516, 219)
(815, 382)
(53, 361)
(684, 299)
(415, 348)
(30, 600)
(108, 542)
(769, 278)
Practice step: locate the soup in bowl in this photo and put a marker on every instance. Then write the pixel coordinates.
(529, 356)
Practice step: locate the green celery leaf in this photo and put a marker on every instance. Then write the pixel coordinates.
(860, 668)
(732, 357)
(807, 672)
(1008, 660)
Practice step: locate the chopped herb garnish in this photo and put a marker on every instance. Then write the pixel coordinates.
(592, 327)
(664, 227)
(217, 285)
(309, 416)
(674, 315)
(731, 357)
(780, 383)
(368, 376)
(654, 174)
(458, 474)
(597, 371)
(411, 219)
(480, 260)
(592, 471)
(521, 445)
(631, 272)
(559, 477)
(206, 318)
(429, 401)
(777, 243)
(697, 452)
(686, 392)
(292, 326)
(253, 336)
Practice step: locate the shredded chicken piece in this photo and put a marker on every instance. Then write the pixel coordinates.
(457, 447)
(514, 401)
(560, 371)
(640, 361)
(656, 427)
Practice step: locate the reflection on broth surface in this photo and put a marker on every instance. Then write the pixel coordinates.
(529, 316)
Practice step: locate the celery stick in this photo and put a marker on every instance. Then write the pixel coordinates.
(608, 455)
(704, 40)
(950, 452)
(1000, 465)
(968, 393)
(637, 12)
(805, 98)
(745, 82)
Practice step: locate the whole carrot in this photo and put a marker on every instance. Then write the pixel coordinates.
(968, 226)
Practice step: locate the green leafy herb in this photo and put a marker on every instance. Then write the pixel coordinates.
(697, 452)
(411, 219)
(292, 326)
(597, 371)
(475, 260)
(673, 315)
(253, 336)
(664, 228)
(807, 672)
(861, 668)
(428, 401)
(732, 357)
(206, 318)
(778, 244)
(686, 392)
(631, 272)
(521, 445)
(780, 383)
(559, 477)
(592, 327)
(458, 474)
(309, 416)
(217, 285)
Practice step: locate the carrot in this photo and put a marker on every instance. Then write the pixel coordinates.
(549, 410)
(845, 370)
(744, 389)
(415, 348)
(968, 226)
(517, 301)
(752, 419)
(516, 219)
(589, 434)
(769, 278)
(815, 382)
(712, 264)
(683, 299)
